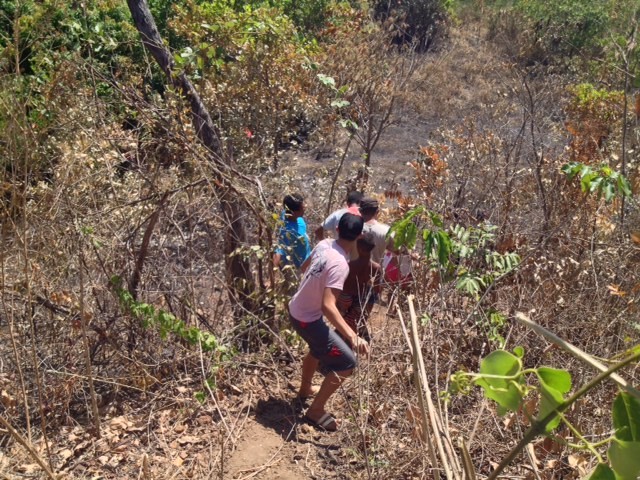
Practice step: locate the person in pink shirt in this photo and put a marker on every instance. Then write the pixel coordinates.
(325, 271)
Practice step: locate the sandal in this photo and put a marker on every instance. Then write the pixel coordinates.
(324, 422)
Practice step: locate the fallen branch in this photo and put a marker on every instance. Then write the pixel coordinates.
(22, 441)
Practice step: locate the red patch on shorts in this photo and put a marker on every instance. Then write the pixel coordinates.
(335, 352)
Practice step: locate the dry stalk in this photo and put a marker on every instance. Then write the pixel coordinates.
(404, 330)
(26, 444)
(87, 355)
(449, 462)
(32, 326)
(14, 346)
(337, 174)
(213, 396)
(467, 462)
(425, 422)
(575, 351)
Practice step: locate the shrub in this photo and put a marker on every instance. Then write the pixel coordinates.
(418, 21)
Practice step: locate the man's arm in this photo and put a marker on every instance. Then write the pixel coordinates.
(329, 225)
(330, 311)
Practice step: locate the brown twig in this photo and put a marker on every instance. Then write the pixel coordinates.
(144, 247)
(26, 444)
(87, 352)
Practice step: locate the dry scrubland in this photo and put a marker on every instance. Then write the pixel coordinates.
(493, 137)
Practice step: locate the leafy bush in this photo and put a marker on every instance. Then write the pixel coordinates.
(418, 21)
(252, 66)
(551, 32)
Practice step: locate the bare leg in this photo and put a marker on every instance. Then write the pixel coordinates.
(309, 367)
(330, 384)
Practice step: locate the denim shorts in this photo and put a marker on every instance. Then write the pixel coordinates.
(325, 345)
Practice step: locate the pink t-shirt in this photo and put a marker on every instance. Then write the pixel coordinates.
(329, 268)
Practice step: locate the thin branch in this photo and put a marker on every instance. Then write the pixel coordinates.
(575, 351)
(22, 441)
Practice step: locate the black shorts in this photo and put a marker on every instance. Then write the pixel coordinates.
(325, 345)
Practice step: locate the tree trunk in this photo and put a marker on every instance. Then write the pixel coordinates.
(239, 277)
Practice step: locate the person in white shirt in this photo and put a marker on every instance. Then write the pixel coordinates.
(331, 222)
(369, 209)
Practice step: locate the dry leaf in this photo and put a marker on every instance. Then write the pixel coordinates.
(508, 420)
(414, 416)
(635, 236)
(551, 464)
(122, 448)
(615, 290)
(177, 462)
(30, 468)
(7, 400)
(119, 422)
(189, 439)
(578, 462)
(65, 454)
(204, 420)
(532, 455)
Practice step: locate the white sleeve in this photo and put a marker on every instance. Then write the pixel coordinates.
(331, 222)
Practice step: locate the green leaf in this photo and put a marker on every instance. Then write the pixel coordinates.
(428, 242)
(626, 417)
(504, 391)
(572, 169)
(327, 80)
(468, 284)
(340, 103)
(587, 180)
(623, 186)
(554, 384)
(559, 380)
(411, 235)
(444, 248)
(624, 458)
(519, 351)
(602, 472)
(348, 124)
(609, 191)
(436, 220)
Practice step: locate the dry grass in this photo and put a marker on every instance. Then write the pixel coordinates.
(578, 278)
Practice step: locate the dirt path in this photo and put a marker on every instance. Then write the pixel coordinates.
(262, 453)
(277, 444)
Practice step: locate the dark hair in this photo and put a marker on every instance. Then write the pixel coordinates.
(292, 203)
(366, 242)
(369, 206)
(350, 226)
(354, 198)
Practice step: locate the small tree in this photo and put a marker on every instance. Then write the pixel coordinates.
(376, 72)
